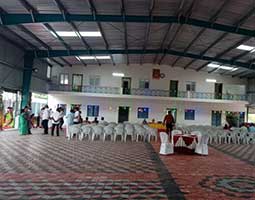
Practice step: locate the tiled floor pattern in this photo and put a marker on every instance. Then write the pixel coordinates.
(240, 151)
(45, 167)
(217, 176)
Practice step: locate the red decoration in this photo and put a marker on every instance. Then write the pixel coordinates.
(156, 73)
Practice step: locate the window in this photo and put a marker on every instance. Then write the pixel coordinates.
(49, 72)
(64, 79)
(189, 114)
(144, 84)
(190, 86)
(94, 80)
(92, 110)
(143, 112)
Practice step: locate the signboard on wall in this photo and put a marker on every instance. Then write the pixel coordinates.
(156, 73)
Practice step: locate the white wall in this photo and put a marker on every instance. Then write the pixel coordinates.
(138, 72)
(108, 107)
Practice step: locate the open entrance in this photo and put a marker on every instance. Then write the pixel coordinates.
(216, 118)
(126, 85)
(218, 90)
(123, 114)
(173, 88)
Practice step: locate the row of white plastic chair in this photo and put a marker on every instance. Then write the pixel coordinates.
(113, 130)
(219, 135)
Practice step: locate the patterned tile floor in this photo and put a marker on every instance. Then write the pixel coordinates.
(45, 167)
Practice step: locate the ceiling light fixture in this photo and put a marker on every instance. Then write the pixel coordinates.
(246, 47)
(95, 57)
(90, 33)
(67, 33)
(215, 65)
(118, 74)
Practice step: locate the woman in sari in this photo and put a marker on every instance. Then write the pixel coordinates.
(8, 119)
(23, 125)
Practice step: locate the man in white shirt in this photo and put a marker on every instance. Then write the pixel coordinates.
(55, 121)
(77, 116)
(45, 118)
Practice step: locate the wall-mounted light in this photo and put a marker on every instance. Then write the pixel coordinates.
(118, 74)
(211, 80)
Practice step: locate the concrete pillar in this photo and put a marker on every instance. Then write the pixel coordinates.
(27, 75)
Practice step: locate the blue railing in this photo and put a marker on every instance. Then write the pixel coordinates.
(147, 92)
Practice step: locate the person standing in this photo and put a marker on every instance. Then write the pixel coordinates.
(77, 116)
(169, 122)
(8, 118)
(69, 121)
(55, 117)
(23, 129)
(45, 118)
(61, 120)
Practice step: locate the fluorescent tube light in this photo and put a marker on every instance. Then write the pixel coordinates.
(103, 57)
(211, 80)
(213, 65)
(87, 57)
(66, 33)
(245, 47)
(95, 57)
(91, 34)
(53, 34)
(118, 74)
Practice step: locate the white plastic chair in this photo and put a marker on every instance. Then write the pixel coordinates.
(108, 130)
(129, 131)
(85, 131)
(152, 132)
(73, 130)
(118, 131)
(97, 131)
(166, 147)
(140, 132)
(202, 146)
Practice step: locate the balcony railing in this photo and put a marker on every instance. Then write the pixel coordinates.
(147, 92)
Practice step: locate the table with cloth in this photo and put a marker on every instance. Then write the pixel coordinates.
(185, 142)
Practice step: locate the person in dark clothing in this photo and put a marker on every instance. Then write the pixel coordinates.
(169, 122)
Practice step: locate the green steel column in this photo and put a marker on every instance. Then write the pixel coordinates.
(27, 75)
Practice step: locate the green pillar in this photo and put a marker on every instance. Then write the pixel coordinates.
(27, 75)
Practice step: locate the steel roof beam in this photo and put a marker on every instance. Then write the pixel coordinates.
(94, 13)
(60, 53)
(33, 12)
(237, 25)
(187, 14)
(64, 11)
(147, 32)
(123, 12)
(169, 28)
(15, 19)
(212, 20)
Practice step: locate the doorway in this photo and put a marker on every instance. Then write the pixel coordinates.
(218, 90)
(173, 112)
(77, 82)
(123, 114)
(126, 85)
(216, 118)
(173, 89)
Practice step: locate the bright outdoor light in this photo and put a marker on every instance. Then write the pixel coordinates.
(90, 34)
(211, 80)
(118, 74)
(246, 47)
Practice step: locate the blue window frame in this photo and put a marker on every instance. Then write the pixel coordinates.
(92, 110)
(143, 112)
(189, 114)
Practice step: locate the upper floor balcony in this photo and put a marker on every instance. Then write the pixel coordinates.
(147, 92)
